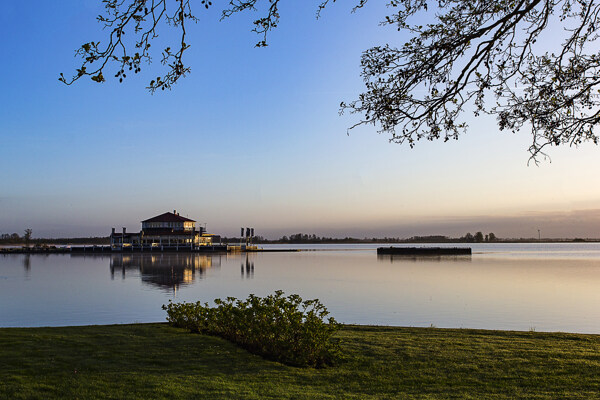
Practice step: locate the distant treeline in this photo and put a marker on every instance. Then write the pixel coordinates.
(15, 238)
(299, 238)
(478, 237)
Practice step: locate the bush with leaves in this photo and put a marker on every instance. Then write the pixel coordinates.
(285, 329)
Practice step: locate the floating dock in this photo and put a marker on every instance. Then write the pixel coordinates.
(425, 251)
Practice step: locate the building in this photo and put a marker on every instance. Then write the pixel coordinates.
(165, 232)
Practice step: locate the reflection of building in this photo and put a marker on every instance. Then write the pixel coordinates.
(166, 270)
(168, 231)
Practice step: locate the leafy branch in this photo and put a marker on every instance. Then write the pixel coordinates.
(479, 56)
(481, 49)
(142, 19)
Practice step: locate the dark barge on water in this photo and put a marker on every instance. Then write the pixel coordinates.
(425, 251)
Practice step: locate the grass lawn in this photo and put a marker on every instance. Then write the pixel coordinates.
(149, 361)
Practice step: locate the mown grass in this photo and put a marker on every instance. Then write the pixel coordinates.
(156, 361)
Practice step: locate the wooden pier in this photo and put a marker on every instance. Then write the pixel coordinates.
(220, 248)
(151, 249)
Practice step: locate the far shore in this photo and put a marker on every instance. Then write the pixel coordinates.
(106, 241)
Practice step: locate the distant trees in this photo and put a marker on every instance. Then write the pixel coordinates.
(27, 239)
(27, 236)
(300, 238)
(303, 238)
(468, 238)
(14, 238)
(478, 238)
(312, 238)
(430, 239)
(10, 238)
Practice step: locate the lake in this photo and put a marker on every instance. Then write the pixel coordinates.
(542, 287)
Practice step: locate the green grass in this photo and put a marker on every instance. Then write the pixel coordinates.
(149, 361)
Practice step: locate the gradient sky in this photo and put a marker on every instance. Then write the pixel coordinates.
(253, 138)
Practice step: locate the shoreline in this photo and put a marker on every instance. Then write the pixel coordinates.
(349, 326)
(399, 247)
(79, 242)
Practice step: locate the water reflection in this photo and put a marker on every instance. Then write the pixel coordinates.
(249, 268)
(500, 287)
(401, 258)
(27, 265)
(167, 271)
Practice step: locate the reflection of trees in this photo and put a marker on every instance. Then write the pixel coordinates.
(27, 265)
(165, 270)
(400, 258)
(27, 262)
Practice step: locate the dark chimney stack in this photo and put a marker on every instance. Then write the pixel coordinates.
(113, 231)
(124, 230)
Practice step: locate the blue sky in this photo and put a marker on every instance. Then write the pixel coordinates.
(252, 137)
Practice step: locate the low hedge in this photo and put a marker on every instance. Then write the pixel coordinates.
(281, 328)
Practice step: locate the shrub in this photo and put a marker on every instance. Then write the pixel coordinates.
(280, 328)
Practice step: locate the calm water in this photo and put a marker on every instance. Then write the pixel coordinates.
(548, 287)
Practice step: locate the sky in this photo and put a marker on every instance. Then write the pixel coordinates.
(253, 137)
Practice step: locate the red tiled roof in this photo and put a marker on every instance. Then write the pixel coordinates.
(169, 217)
